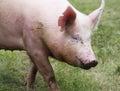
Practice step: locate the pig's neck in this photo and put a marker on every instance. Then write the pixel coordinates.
(52, 38)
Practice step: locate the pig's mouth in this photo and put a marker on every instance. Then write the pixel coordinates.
(87, 64)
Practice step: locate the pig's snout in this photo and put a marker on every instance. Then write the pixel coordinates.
(87, 64)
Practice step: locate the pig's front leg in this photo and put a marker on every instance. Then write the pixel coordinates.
(39, 56)
(31, 76)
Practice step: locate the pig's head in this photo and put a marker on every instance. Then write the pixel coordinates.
(76, 31)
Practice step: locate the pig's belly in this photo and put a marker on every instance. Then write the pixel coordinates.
(11, 40)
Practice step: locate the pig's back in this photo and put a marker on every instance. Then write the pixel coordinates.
(14, 13)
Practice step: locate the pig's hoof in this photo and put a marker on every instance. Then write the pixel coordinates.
(29, 87)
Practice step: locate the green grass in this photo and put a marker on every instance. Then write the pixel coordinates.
(106, 44)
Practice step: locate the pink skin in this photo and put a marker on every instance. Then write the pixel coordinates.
(61, 32)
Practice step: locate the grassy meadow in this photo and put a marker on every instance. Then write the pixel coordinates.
(106, 44)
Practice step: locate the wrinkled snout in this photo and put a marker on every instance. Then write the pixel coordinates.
(88, 64)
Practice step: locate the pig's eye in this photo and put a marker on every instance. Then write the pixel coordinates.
(77, 38)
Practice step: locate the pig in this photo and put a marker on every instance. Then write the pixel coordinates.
(46, 28)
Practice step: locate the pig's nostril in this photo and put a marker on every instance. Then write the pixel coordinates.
(88, 64)
(93, 63)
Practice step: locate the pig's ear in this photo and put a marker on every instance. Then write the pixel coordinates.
(67, 19)
(96, 15)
